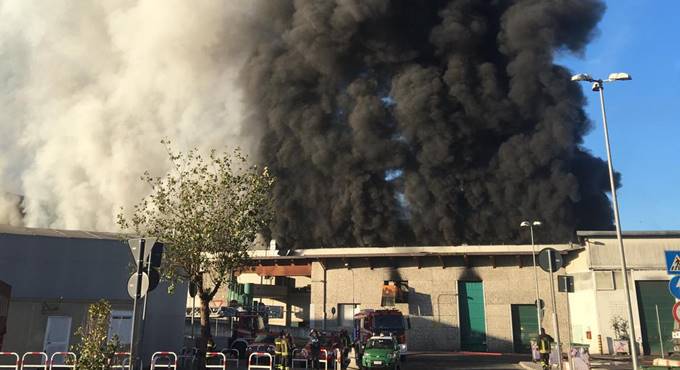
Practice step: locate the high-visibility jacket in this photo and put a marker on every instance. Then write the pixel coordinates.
(544, 343)
(281, 346)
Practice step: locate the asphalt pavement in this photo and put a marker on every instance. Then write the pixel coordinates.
(461, 361)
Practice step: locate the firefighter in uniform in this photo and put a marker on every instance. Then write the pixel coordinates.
(281, 352)
(545, 342)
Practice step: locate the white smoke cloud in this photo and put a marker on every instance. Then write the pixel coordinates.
(89, 88)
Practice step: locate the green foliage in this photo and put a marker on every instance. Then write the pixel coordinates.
(207, 212)
(620, 326)
(95, 350)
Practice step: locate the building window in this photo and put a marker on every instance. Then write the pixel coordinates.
(275, 312)
(121, 325)
(394, 292)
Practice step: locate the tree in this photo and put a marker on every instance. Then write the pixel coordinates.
(620, 326)
(207, 212)
(95, 350)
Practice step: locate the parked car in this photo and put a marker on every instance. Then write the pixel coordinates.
(381, 352)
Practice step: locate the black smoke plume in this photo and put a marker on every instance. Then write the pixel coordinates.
(424, 122)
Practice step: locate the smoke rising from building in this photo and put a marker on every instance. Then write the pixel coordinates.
(386, 122)
(436, 122)
(89, 88)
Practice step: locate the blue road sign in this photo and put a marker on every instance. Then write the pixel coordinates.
(673, 262)
(674, 286)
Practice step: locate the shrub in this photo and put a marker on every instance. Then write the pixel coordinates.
(95, 350)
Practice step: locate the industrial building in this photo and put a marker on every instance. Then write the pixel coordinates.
(477, 298)
(54, 275)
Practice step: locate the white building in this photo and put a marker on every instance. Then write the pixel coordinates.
(598, 294)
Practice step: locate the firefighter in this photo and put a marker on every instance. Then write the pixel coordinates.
(544, 342)
(291, 347)
(281, 351)
(315, 347)
(346, 343)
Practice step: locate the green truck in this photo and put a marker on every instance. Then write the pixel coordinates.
(381, 352)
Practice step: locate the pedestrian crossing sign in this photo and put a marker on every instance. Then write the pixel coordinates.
(673, 262)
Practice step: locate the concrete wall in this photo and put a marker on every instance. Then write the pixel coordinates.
(592, 307)
(433, 296)
(641, 253)
(57, 275)
(28, 321)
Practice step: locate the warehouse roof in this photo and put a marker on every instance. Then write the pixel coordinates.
(417, 251)
(76, 234)
(630, 234)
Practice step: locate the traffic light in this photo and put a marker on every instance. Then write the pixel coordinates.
(154, 264)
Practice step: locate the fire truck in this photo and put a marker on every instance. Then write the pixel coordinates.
(368, 323)
(245, 326)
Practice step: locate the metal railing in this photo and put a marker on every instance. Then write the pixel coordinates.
(65, 356)
(17, 361)
(170, 356)
(257, 355)
(223, 360)
(44, 362)
(324, 360)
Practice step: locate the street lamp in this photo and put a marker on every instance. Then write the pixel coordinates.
(531, 225)
(598, 86)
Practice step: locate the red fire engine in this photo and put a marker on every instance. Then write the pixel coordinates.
(368, 323)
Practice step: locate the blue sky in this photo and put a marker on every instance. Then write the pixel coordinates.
(641, 38)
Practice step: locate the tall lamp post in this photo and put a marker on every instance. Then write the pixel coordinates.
(598, 86)
(531, 225)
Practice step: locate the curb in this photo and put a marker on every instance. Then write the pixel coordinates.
(529, 365)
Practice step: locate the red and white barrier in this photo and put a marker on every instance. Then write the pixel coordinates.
(232, 355)
(338, 359)
(223, 360)
(324, 359)
(300, 356)
(124, 360)
(258, 366)
(17, 360)
(44, 361)
(170, 356)
(66, 356)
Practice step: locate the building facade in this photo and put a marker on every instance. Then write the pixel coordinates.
(55, 275)
(477, 298)
(598, 297)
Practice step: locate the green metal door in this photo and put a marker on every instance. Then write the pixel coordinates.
(472, 320)
(524, 326)
(651, 294)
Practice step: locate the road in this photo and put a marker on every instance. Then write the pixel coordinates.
(445, 361)
(459, 361)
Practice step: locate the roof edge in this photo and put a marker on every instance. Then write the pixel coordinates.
(630, 233)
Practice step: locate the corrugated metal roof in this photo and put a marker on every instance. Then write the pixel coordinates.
(75, 234)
